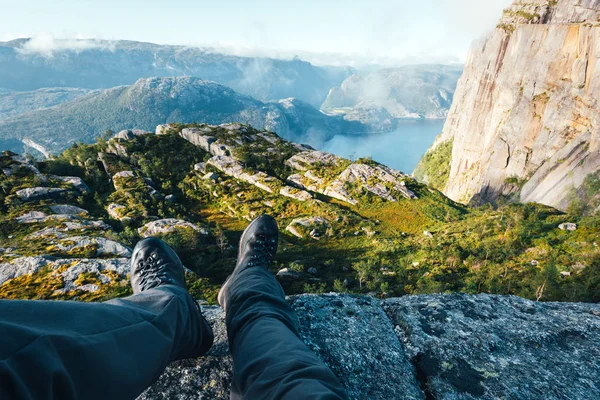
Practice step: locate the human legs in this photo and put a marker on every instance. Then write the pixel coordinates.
(270, 361)
(112, 350)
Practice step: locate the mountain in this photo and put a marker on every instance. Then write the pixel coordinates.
(380, 97)
(154, 101)
(14, 103)
(525, 122)
(97, 64)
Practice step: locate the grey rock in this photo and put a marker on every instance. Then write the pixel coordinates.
(312, 271)
(317, 226)
(31, 217)
(287, 274)
(75, 181)
(200, 167)
(168, 225)
(334, 327)
(91, 266)
(199, 137)
(67, 209)
(234, 168)
(208, 377)
(308, 159)
(104, 247)
(569, 226)
(40, 193)
(356, 340)
(21, 266)
(489, 347)
(163, 129)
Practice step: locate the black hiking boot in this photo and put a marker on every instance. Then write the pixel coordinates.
(154, 263)
(258, 246)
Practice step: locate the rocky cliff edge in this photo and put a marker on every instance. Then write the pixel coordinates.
(426, 347)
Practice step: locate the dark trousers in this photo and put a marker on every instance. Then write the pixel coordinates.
(115, 350)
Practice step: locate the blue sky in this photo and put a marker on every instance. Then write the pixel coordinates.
(326, 31)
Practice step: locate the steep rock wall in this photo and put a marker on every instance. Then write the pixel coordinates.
(525, 115)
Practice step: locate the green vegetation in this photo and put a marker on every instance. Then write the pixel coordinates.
(434, 167)
(376, 246)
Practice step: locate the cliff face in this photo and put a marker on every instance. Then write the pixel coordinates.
(525, 118)
(425, 347)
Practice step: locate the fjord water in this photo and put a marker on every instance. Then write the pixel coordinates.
(401, 149)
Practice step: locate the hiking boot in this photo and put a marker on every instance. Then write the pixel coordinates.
(154, 263)
(258, 247)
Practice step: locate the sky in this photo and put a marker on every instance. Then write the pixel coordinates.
(384, 32)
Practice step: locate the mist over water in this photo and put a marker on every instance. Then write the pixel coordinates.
(401, 149)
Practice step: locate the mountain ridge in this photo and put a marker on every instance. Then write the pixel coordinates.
(153, 101)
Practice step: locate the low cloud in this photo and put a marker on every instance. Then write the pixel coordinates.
(47, 45)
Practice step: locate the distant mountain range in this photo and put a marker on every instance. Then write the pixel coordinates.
(101, 64)
(383, 96)
(14, 103)
(154, 101)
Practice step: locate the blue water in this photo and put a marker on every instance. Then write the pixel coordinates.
(401, 149)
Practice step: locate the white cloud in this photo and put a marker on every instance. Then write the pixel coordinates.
(46, 44)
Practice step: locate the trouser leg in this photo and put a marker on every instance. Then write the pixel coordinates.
(270, 361)
(112, 350)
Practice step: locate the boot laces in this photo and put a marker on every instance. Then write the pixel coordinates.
(153, 272)
(262, 250)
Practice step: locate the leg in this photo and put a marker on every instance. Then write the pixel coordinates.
(270, 361)
(113, 350)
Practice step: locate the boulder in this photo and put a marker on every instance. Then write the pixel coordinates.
(100, 246)
(198, 137)
(40, 193)
(31, 217)
(308, 159)
(98, 267)
(75, 181)
(314, 227)
(168, 225)
(490, 347)
(163, 129)
(569, 226)
(286, 274)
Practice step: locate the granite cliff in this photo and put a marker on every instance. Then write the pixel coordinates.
(525, 120)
